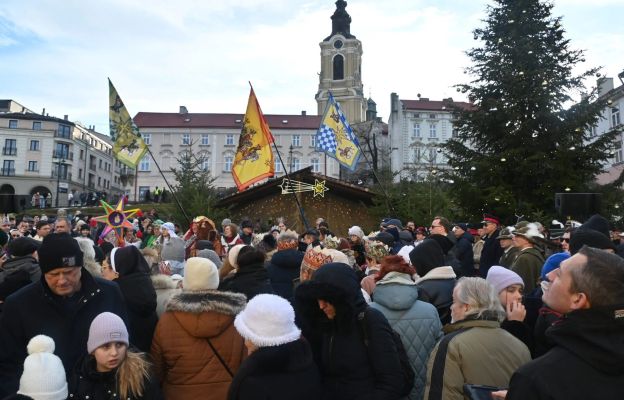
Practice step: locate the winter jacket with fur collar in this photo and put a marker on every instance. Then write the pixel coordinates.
(183, 359)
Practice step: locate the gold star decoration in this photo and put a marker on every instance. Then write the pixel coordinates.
(291, 186)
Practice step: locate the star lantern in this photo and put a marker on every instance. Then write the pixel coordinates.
(116, 219)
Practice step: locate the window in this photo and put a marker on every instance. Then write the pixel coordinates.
(32, 166)
(205, 164)
(615, 117)
(10, 147)
(100, 164)
(416, 130)
(205, 140)
(432, 116)
(167, 138)
(433, 155)
(618, 155)
(432, 130)
(296, 140)
(82, 154)
(186, 139)
(80, 173)
(144, 165)
(338, 67)
(61, 171)
(313, 140)
(64, 131)
(8, 168)
(278, 165)
(13, 123)
(36, 125)
(229, 140)
(296, 164)
(228, 163)
(34, 145)
(594, 131)
(316, 165)
(416, 155)
(454, 133)
(147, 138)
(99, 181)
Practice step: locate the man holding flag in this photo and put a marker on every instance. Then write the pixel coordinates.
(336, 138)
(254, 157)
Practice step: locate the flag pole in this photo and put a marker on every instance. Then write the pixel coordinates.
(383, 189)
(279, 155)
(173, 193)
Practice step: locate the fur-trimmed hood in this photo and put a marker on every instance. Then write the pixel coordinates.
(207, 313)
(162, 281)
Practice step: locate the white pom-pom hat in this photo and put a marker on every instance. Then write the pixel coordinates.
(44, 376)
(267, 320)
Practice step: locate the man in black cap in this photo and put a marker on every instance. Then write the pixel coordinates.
(61, 305)
(246, 233)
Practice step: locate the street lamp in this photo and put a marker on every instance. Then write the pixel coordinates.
(59, 163)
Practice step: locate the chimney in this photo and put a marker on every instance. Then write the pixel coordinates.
(604, 86)
(183, 110)
(66, 117)
(43, 112)
(394, 101)
(304, 113)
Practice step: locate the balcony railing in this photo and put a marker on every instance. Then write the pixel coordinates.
(62, 135)
(66, 175)
(9, 151)
(67, 155)
(7, 171)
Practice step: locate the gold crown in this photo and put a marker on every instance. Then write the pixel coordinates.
(314, 259)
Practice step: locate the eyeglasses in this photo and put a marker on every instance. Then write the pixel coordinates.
(565, 240)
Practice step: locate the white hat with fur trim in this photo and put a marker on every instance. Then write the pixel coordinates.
(267, 320)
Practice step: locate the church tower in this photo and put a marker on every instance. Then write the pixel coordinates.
(341, 68)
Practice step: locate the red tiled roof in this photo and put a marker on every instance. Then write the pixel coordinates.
(205, 120)
(428, 105)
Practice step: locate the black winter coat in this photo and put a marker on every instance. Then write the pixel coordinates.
(35, 310)
(491, 253)
(141, 301)
(85, 382)
(249, 280)
(465, 255)
(350, 370)
(438, 292)
(282, 372)
(283, 269)
(587, 361)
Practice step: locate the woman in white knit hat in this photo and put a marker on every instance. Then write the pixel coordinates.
(44, 376)
(280, 363)
(509, 287)
(111, 369)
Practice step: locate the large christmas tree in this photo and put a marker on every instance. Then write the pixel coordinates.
(528, 135)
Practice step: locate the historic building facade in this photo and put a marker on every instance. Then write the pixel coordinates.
(417, 128)
(52, 155)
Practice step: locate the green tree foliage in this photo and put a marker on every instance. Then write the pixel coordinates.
(523, 142)
(194, 189)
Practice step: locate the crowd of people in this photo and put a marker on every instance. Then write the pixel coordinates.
(220, 311)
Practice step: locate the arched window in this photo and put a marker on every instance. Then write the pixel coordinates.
(338, 67)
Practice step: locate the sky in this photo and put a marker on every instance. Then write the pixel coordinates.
(161, 54)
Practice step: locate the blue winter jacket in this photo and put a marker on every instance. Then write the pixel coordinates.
(416, 321)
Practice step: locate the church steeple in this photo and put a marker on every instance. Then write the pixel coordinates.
(341, 21)
(341, 68)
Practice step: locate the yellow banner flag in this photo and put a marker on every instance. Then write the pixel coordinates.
(128, 146)
(254, 157)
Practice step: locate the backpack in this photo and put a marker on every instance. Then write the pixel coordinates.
(406, 367)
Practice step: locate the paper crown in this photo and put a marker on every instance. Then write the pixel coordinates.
(331, 242)
(313, 258)
(376, 250)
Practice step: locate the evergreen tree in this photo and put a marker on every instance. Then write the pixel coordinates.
(523, 142)
(194, 189)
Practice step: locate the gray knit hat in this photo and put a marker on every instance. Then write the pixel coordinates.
(105, 328)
